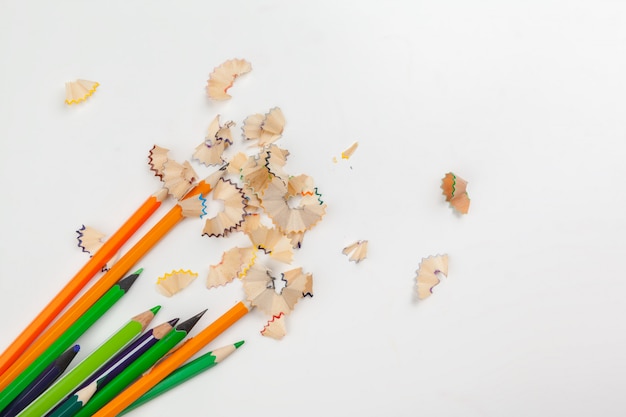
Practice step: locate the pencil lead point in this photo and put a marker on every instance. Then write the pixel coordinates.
(76, 348)
(126, 283)
(137, 272)
(173, 322)
(155, 309)
(188, 324)
(238, 344)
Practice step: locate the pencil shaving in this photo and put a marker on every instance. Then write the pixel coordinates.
(218, 139)
(357, 251)
(427, 277)
(223, 77)
(455, 190)
(270, 240)
(156, 160)
(179, 179)
(275, 327)
(235, 263)
(257, 171)
(90, 241)
(175, 281)
(348, 152)
(260, 290)
(79, 90)
(194, 206)
(234, 209)
(265, 128)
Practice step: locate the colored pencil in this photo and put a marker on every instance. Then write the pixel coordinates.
(78, 282)
(42, 382)
(66, 339)
(173, 361)
(139, 366)
(184, 373)
(121, 267)
(121, 338)
(110, 370)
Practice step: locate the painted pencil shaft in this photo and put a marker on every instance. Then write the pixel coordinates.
(41, 383)
(79, 327)
(77, 283)
(139, 366)
(121, 267)
(184, 373)
(173, 361)
(114, 367)
(90, 364)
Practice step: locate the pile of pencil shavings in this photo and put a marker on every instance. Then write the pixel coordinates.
(260, 199)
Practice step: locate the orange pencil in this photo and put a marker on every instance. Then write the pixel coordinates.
(121, 267)
(172, 362)
(78, 282)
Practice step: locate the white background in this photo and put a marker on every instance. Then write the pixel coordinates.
(526, 100)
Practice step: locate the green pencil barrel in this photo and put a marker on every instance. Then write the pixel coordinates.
(69, 408)
(79, 327)
(184, 373)
(83, 370)
(134, 370)
(174, 379)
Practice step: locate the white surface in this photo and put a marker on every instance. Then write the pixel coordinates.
(525, 100)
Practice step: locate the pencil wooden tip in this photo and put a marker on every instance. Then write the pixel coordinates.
(239, 344)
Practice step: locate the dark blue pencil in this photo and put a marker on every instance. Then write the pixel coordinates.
(41, 383)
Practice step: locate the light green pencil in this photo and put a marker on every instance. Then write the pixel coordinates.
(184, 373)
(89, 365)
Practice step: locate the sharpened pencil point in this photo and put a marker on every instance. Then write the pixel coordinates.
(155, 309)
(239, 344)
(188, 324)
(126, 283)
(76, 348)
(137, 272)
(173, 322)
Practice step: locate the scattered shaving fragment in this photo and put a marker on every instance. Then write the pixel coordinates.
(348, 152)
(156, 160)
(234, 209)
(90, 241)
(79, 90)
(179, 179)
(357, 251)
(275, 327)
(266, 128)
(271, 241)
(235, 263)
(217, 140)
(260, 286)
(292, 220)
(194, 206)
(257, 171)
(173, 282)
(223, 77)
(427, 272)
(455, 190)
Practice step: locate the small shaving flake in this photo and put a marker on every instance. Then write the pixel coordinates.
(79, 90)
(275, 328)
(173, 282)
(90, 241)
(348, 152)
(266, 128)
(223, 77)
(234, 209)
(427, 277)
(357, 251)
(455, 190)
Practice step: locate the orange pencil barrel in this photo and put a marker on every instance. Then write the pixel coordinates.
(78, 282)
(121, 267)
(172, 362)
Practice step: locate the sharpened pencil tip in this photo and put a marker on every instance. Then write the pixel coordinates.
(76, 348)
(173, 322)
(155, 309)
(137, 272)
(241, 342)
(187, 325)
(126, 283)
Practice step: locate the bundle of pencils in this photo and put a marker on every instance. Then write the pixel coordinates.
(31, 366)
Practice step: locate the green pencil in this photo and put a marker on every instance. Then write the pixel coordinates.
(139, 366)
(184, 373)
(80, 326)
(90, 364)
